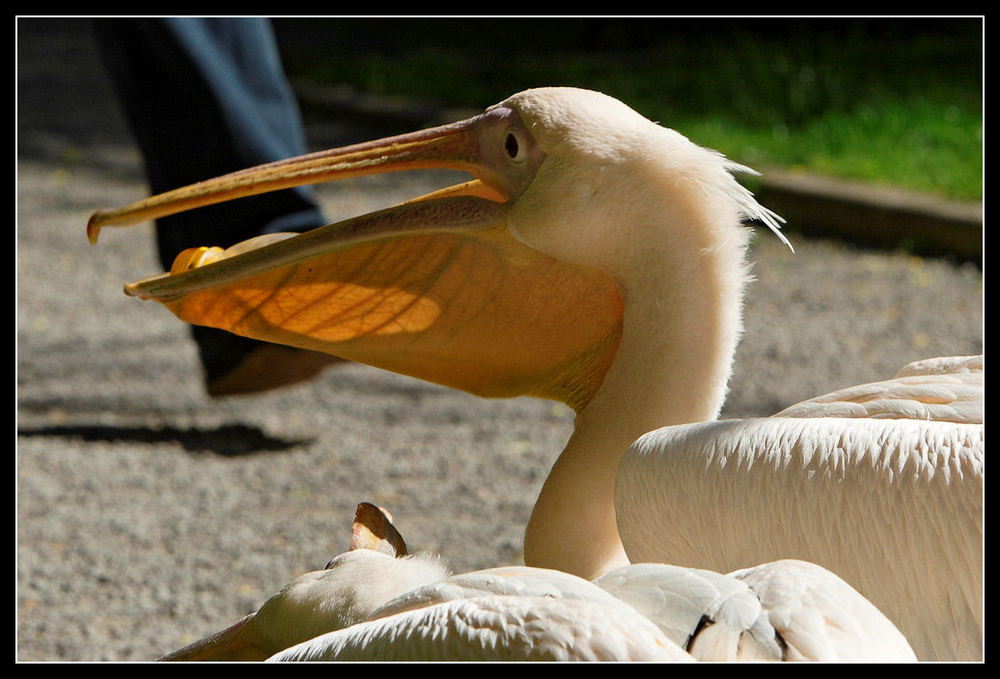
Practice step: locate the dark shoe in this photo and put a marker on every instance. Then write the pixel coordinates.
(270, 366)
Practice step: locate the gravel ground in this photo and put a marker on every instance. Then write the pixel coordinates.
(149, 515)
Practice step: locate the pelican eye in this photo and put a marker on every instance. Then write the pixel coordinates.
(514, 146)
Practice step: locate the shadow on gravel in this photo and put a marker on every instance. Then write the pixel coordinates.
(228, 440)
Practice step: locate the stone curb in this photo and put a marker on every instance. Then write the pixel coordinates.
(879, 216)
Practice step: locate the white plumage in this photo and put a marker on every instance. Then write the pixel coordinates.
(498, 628)
(736, 491)
(783, 610)
(944, 389)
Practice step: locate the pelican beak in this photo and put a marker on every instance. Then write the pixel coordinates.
(240, 642)
(493, 147)
(435, 288)
(462, 146)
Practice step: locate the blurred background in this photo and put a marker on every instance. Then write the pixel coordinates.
(894, 100)
(149, 515)
(889, 104)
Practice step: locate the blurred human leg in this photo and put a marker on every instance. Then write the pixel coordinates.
(205, 97)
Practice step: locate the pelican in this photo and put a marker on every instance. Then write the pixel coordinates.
(599, 259)
(376, 602)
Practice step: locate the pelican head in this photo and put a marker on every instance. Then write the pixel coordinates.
(608, 170)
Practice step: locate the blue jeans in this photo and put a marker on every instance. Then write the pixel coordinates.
(205, 97)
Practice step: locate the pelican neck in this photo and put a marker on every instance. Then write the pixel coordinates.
(681, 324)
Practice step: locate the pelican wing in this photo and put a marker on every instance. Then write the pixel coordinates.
(820, 617)
(691, 494)
(498, 628)
(503, 581)
(946, 389)
(712, 616)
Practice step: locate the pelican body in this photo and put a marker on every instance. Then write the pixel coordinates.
(792, 476)
(598, 259)
(376, 602)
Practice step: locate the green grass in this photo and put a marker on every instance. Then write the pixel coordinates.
(889, 102)
(914, 144)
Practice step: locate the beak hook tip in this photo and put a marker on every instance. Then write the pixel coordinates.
(94, 226)
(133, 290)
